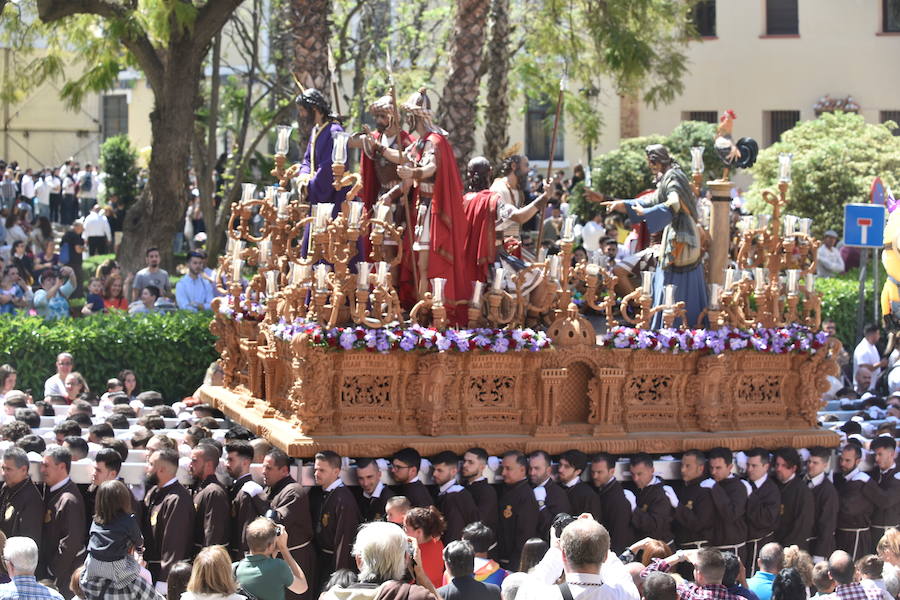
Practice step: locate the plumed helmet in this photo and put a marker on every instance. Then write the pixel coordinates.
(384, 106)
(312, 98)
(418, 104)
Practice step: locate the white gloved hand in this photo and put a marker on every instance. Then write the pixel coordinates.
(708, 483)
(251, 488)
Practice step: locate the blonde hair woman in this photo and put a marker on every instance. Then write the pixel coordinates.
(212, 577)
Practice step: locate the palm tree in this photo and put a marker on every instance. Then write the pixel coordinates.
(459, 100)
(496, 126)
(301, 41)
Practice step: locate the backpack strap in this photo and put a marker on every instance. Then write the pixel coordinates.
(565, 592)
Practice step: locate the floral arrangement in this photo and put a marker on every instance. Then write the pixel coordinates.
(415, 337)
(252, 310)
(794, 338)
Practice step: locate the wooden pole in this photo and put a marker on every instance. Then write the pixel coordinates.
(559, 104)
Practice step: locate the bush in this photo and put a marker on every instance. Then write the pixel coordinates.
(840, 299)
(623, 173)
(169, 352)
(836, 157)
(119, 161)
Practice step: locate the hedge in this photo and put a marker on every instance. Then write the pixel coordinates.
(840, 299)
(169, 353)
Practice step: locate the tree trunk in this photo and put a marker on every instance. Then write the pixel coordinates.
(496, 126)
(208, 155)
(159, 213)
(459, 101)
(310, 32)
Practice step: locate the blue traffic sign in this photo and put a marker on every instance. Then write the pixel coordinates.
(864, 225)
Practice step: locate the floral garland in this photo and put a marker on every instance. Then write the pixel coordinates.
(793, 338)
(253, 310)
(415, 337)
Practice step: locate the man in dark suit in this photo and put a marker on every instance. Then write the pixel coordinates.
(551, 499)
(763, 506)
(615, 501)
(338, 517)
(795, 522)
(65, 532)
(582, 498)
(373, 493)
(729, 496)
(472, 477)
(168, 523)
(652, 515)
(858, 497)
(519, 514)
(21, 507)
(887, 477)
(247, 498)
(211, 501)
(459, 558)
(405, 469)
(454, 501)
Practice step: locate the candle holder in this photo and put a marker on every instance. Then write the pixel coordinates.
(434, 307)
(640, 300)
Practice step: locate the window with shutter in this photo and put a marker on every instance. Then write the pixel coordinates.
(539, 130)
(115, 115)
(782, 17)
(892, 115)
(705, 18)
(704, 116)
(891, 12)
(779, 121)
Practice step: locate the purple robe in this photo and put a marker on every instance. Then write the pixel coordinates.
(317, 162)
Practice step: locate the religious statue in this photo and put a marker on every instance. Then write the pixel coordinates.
(314, 174)
(672, 209)
(382, 185)
(733, 155)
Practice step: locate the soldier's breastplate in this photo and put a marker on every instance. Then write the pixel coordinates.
(386, 171)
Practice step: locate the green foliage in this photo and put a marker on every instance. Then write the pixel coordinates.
(119, 161)
(835, 159)
(637, 45)
(623, 172)
(840, 299)
(169, 352)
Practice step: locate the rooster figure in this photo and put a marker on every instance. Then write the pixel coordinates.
(740, 155)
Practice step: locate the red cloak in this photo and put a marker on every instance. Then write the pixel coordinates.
(449, 232)
(480, 210)
(406, 288)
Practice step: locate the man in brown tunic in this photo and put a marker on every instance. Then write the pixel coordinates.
(551, 499)
(858, 497)
(373, 493)
(519, 514)
(825, 507)
(405, 469)
(211, 501)
(795, 524)
(652, 515)
(246, 495)
(64, 536)
(729, 496)
(289, 502)
(473, 479)
(616, 503)
(887, 477)
(694, 516)
(582, 498)
(454, 501)
(338, 517)
(168, 522)
(763, 506)
(21, 506)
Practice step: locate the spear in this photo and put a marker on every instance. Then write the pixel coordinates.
(559, 103)
(332, 69)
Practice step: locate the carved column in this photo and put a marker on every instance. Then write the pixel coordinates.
(605, 392)
(551, 382)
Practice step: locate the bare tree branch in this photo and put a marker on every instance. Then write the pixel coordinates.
(138, 42)
(211, 18)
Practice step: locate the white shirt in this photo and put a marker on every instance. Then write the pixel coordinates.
(42, 191)
(53, 488)
(866, 354)
(27, 184)
(876, 584)
(55, 184)
(334, 485)
(617, 583)
(54, 386)
(829, 262)
(376, 493)
(96, 225)
(817, 480)
(68, 185)
(591, 234)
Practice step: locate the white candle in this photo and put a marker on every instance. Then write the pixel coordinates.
(715, 295)
(382, 273)
(339, 147)
(284, 200)
(793, 280)
(299, 273)
(746, 223)
(697, 159)
(356, 211)
(323, 215)
(790, 224)
(362, 277)
(498, 279)
(236, 266)
(437, 289)
(569, 229)
(647, 283)
(729, 278)
(784, 167)
(271, 283)
(270, 194)
(247, 192)
(805, 226)
(476, 294)
(321, 277)
(762, 221)
(810, 283)
(669, 294)
(554, 268)
(283, 139)
(759, 274)
(237, 247)
(542, 255)
(265, 252)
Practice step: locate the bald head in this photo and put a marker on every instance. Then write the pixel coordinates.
(585, 544)
(841, 567)
(771, 558)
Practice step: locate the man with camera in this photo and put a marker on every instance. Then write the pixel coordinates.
(262, 574)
